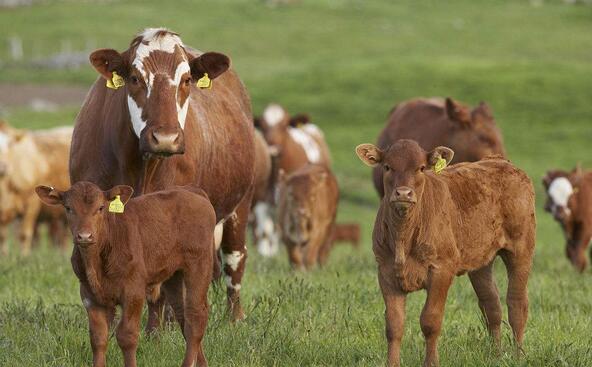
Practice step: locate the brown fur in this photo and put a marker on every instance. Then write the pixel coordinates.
(306, 214)
(431, 227)
(346, 232)
(471, 133)
(214, 151)
(33, 157)
(164, 238)
(576, 221)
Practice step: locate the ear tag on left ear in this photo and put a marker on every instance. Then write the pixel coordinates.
(116, 81)
(204, 82)
(116, 206)
(440, 165)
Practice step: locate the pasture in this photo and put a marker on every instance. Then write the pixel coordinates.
(346, 63)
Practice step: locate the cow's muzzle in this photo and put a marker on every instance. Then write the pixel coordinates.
(162, 141)
(402, 199)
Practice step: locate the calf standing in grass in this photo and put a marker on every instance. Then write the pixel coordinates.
(569, 200)
(306, 214)
(162, 238)
(431, 227)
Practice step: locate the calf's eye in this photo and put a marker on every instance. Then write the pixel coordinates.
(68, 209)
(422, 168)
(386, 168)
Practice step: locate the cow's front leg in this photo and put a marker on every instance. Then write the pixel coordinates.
(33, 206)
(4, 239)
(128, 328)
(433, 313)
(394, 315)
(234, 255)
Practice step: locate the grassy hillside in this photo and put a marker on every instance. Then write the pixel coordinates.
(346, 62)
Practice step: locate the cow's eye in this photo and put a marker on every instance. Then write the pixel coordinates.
(422, 168)
(101, 208)
(68, 209)
(134, 79)
(386, 168)
(187, 81)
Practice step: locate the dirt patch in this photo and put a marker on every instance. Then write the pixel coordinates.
(38, 96)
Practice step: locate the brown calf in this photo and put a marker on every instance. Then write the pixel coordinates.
(346, 232)
(164, 238)
(166, 127)
(471, 132)
(306, 214)
(431, 227)
(569, 200)
(28, 158)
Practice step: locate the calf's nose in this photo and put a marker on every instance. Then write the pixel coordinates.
(404, 193)
(84, 236)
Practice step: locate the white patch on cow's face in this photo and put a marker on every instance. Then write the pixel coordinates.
(233, 259)
(150, 42)
(135, 111)
(182, 69)
(274, 114)
(4, 142)
(560, 190)
(309, 145)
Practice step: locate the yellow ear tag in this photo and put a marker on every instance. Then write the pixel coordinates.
(116, 206)
(440, 165)
(116, 81)
(204, 82)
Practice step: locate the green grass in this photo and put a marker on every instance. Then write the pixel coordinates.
(346, 62)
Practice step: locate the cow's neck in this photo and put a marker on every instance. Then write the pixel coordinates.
(400, 231)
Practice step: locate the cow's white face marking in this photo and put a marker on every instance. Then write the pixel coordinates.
(165, 43)
(233, 259)
(560, 191)
(309, 145)
(274, 114)
(135, 111)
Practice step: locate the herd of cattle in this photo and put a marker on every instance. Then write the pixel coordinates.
(166, 167)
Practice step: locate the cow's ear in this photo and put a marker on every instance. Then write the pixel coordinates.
(457, 112)
(213, 63)
(125, 192)
(106, 61)
(299, 119)
(547, 179)
(484, 110)
(439, 152)
(257, 122)
(49, 195)
(369, 154)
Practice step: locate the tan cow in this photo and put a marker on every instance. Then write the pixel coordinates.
(569, 200)
(307, 209)
(162, 114)
(471, 132)
(432, 227)
(27, 159)
(126, 252)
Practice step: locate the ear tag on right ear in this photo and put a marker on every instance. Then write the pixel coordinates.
(116, 206)
(204, 82)
(440, 165)
(116, 81)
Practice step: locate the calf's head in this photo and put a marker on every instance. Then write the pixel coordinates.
(404, 165)
(275, 124)
(158, 73)
(475, 134)
(86, 207)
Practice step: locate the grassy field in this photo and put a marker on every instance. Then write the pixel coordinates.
(346, 62)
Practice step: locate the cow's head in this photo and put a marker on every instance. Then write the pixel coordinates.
(475, 135)
(86, 208)
(404, 165)
(275, 124)
(159, 77)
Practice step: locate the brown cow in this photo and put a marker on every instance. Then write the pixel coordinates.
(346, 232)
(569, 200)
(296, 141)
(160, 129)
(471, 133)
(163, 238)
(28, 158)
(306, 214)
(432, 227)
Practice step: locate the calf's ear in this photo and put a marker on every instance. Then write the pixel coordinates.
(106, 61)
(49, 195)
(213, 63)
(457, 112)
(369, 154)
(299, 119)
(440, 152)
(125, 192)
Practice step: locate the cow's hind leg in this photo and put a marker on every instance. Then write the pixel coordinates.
(234, 255)
(489, 302)
(518, 267)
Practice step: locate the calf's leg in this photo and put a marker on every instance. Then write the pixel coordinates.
(98, 327)
(394, 315)
(33, 205)
(295, 257)
(4, 240)
(489, 302)
(173, 289)
(197, 282)
(128, 328)
(433, 313)
(234, 255)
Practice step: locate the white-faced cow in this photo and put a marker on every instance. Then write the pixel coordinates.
(161, 128)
